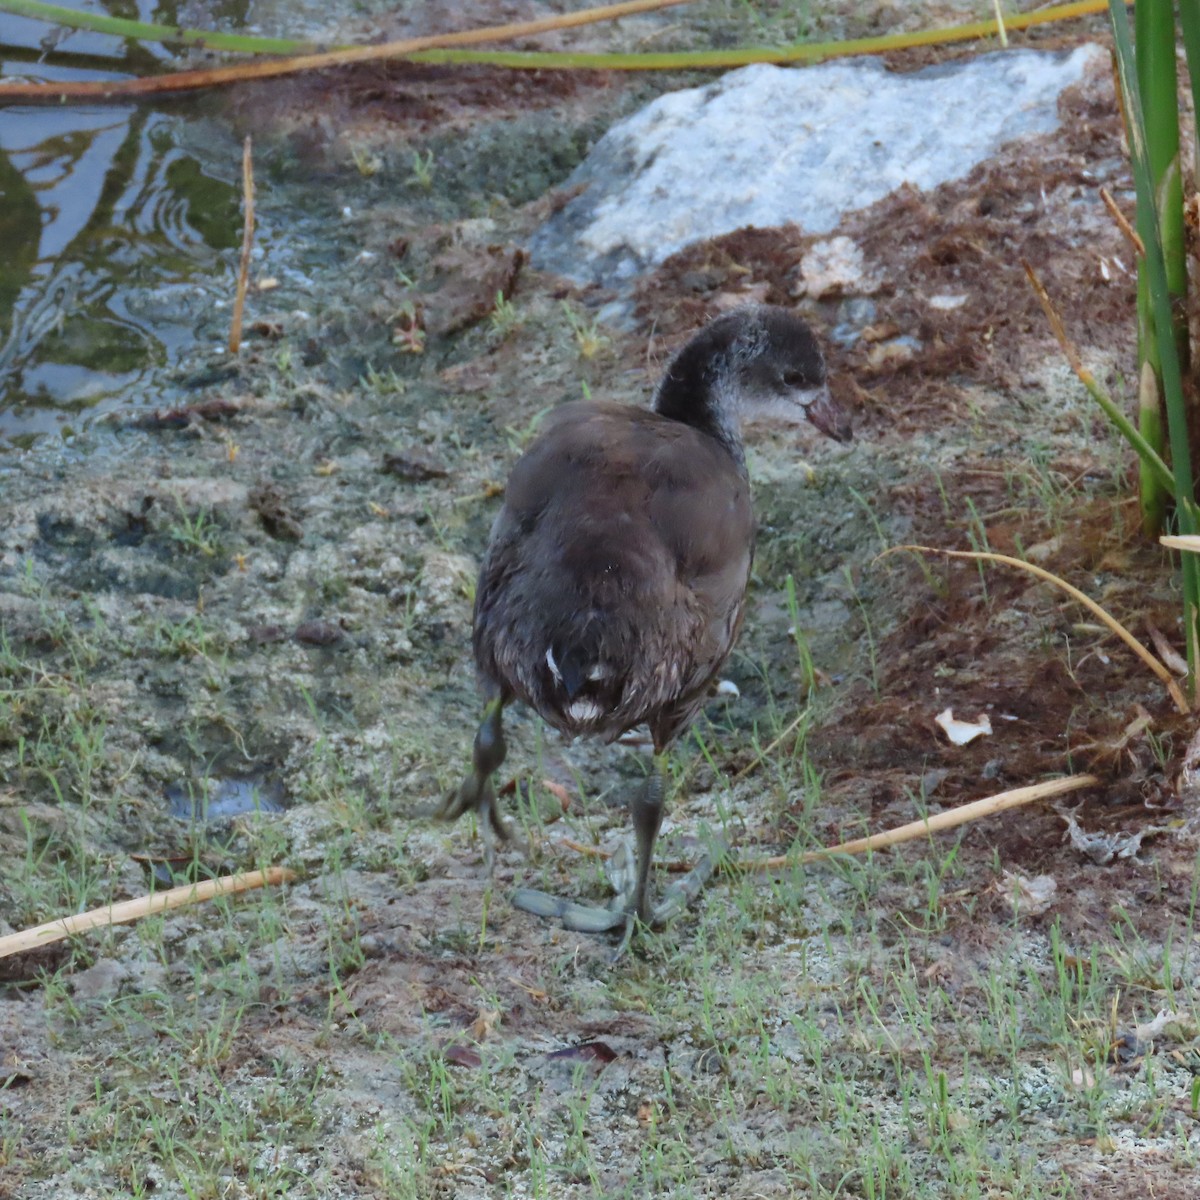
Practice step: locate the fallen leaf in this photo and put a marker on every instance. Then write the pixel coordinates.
(599, 1052)
(1170, 656)
(413, 465)
(317, 633)
(459, 1055)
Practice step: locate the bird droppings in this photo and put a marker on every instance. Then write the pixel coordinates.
(858, 1027)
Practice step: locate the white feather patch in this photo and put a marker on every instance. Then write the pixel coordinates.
(552, 664)
(585, 710)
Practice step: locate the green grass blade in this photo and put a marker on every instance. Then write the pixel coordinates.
(141, 31)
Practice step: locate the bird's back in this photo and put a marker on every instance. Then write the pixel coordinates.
(614, 582)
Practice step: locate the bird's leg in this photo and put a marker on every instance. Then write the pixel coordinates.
(646, 809)
(477, 791)
(632, 902)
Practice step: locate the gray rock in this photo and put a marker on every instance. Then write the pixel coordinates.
(769, 145)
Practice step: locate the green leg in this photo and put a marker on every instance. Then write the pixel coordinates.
(632, 902)
(477, 792)
(646, 809)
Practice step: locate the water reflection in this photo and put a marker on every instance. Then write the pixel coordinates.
(112, 243)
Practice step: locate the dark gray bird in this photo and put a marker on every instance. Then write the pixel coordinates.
(614, 582)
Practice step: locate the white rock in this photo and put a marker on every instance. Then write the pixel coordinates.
(770, 145)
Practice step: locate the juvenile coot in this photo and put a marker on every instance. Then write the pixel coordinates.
(614, 582)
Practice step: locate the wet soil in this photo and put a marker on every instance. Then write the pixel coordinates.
(266, 591)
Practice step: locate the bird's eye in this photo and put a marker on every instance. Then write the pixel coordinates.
(793, 379)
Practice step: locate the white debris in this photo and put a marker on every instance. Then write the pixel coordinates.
(1029, 897)
(944, 302)
(1102, 848)
(962, 732)
(1153, 1029)
(836, 266)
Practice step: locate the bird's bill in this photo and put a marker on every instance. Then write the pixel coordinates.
(828, 416)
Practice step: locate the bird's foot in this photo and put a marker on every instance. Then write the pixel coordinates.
(621, 913)
(477, 794)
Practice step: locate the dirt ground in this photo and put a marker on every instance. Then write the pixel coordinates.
(266, 592)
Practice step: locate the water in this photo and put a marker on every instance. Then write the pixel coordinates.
(119, 230)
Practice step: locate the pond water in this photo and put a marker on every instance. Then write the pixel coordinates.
(119, 228)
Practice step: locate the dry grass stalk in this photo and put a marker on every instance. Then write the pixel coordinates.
(1059, 330)
(239, 300)
(1182, 541)
(142, 906)
(965, 813)
(949, 819)
(1131, 234)
(761, 756)
(986, 556)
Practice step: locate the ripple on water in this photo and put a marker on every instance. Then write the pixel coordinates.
(114, 243)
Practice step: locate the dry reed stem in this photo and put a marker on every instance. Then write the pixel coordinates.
(142, 906)
(975, 811)
(1049, 577)
(185, 80)
(1001, 32)
(1131, 234)
(1182, 541)
(1059, 330)
(239, 300)
(949, 819)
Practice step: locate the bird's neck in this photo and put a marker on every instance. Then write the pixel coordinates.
(699, 392)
